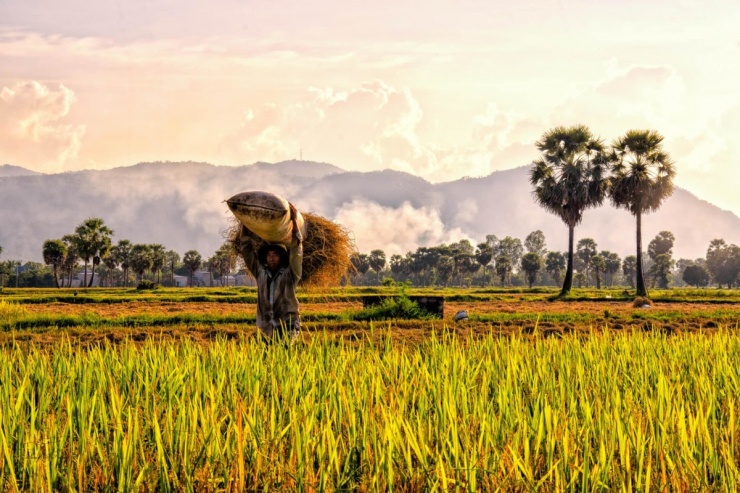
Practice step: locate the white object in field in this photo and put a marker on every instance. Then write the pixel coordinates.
(461, 315)
(267, 215)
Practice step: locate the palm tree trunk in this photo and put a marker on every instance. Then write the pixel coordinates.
(641, 289)
(92, 276)
(568, 284)
(56, 276)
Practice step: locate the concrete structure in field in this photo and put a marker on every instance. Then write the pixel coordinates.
(180, 281)
(80, 281)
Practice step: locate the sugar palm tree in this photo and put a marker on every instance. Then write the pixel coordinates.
(72, 258)
(158, 259)
(93, 241)
(192, 260)
(569, 177)
(54, 253)
(141, 259)
(122, 253)
(642, 178)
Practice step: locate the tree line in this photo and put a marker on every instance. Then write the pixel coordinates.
(510, 262)
(91, 246)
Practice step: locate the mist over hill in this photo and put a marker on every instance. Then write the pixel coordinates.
(181, 205)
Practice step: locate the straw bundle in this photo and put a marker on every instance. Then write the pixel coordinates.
(326, 250)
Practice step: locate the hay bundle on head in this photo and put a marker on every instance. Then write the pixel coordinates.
(326, 249)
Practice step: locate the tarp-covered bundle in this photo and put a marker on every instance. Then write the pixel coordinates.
(327, 246)
(267, 215)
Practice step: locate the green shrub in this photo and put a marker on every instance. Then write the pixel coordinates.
(146, 284)
(400, 307)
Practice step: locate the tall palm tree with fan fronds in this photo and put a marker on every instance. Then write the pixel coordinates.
(570, 176)
(642, 177)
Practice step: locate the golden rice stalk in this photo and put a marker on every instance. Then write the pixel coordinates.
(326, 250)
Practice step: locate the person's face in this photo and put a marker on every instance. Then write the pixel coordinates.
(273, 260)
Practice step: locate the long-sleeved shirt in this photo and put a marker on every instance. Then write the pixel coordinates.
(276, 292)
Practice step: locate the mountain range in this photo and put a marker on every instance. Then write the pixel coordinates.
(181, 205)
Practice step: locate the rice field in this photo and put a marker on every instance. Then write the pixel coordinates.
(527, 395)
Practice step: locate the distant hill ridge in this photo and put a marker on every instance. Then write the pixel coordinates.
(180, 204)
(8, 170)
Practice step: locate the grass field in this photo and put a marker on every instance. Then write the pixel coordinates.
(170, 390)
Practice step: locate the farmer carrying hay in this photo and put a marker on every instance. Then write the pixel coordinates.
(281, 246)
(277, 270)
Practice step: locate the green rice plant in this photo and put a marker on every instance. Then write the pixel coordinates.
(643, 411)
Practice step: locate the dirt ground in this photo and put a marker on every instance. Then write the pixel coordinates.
(504, 317)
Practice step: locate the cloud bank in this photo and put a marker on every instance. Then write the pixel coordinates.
(33, 128)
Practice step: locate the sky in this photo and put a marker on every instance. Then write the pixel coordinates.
(439, 88)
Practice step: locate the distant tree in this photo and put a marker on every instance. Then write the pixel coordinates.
(72, 258)
(579, 279)
(462, 246)
(586, 250)
(661, 244)
(569, 177)
(361, 262)
(599, 265)
(54, 252)
(92, 239)
(192, 261)
(535, 243)
(555, 266)
(33, 275)
(159, 257)
(613, 263)
(4, 271)
(484, 255)
(141, 260)
(681, 265)
(399, 265)
(110, 262)
(723, 262)
(492, 241)
(696, 275)
(224, 260)
(503, 269)
(642, 177)
(629, 269)
(510, 248)
(122, 253)
(172, 258)
(661, 270)
(377, 260)
(445, 268)
(531, 264)
(6, 268)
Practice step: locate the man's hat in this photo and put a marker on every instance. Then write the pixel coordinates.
(276, 247)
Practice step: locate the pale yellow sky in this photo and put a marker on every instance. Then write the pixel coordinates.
(440, 89)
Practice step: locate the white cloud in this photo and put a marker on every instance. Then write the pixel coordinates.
(394, 230)
(32, 128)
(375, 125)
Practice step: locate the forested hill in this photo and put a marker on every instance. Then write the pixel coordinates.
(180, 205)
